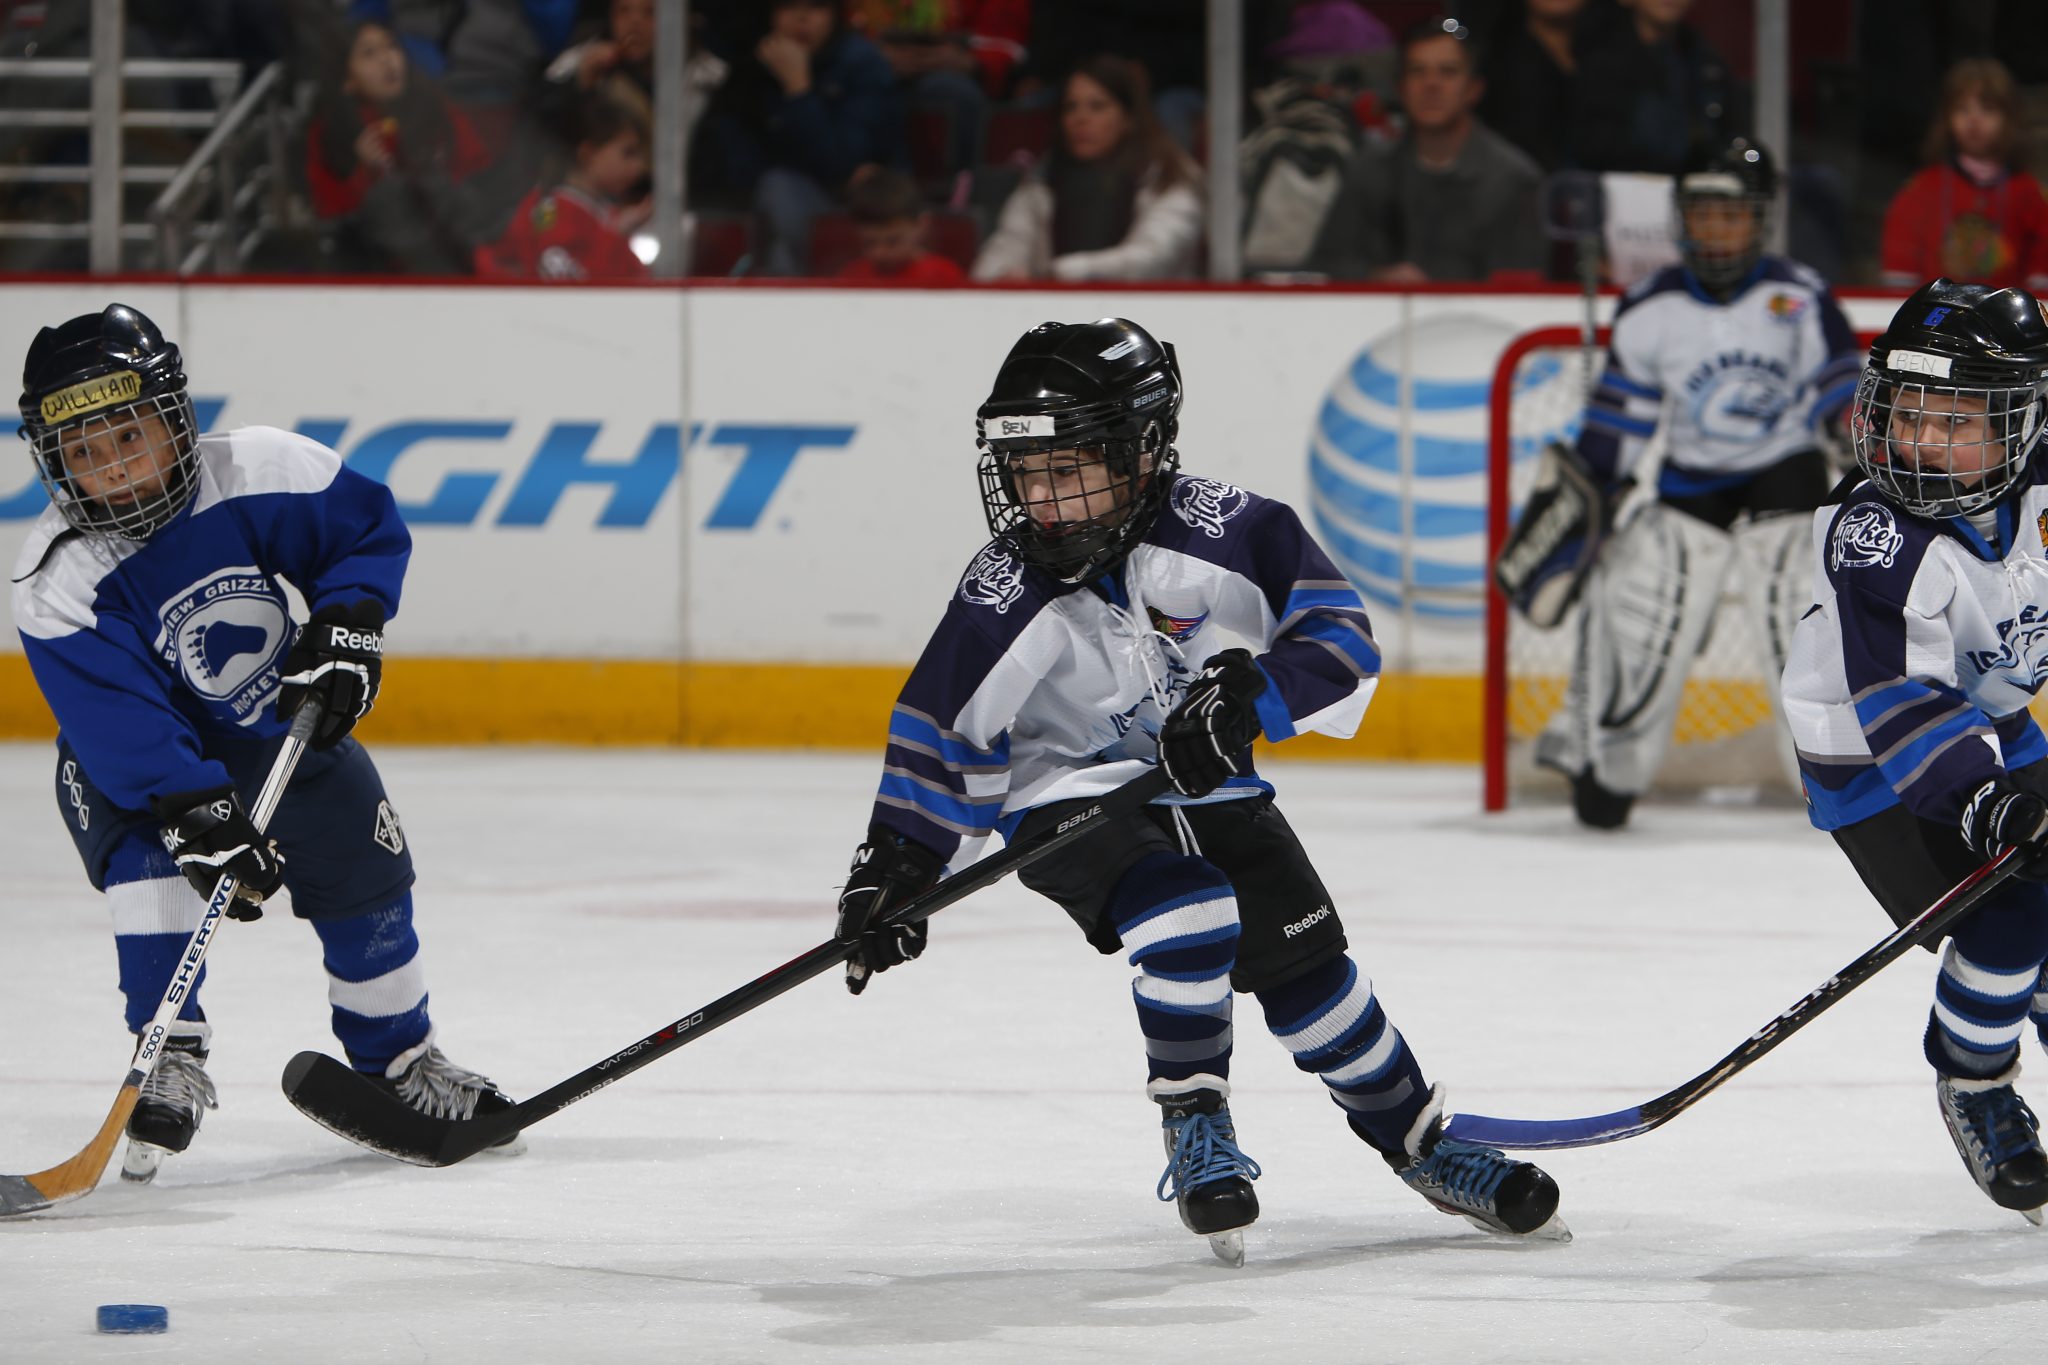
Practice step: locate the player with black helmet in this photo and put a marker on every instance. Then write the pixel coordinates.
(1062, 669)
(1739, 364)
(1909, 683)
(151, 606)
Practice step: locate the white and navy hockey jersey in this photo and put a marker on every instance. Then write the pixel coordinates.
(1747, 381)
(1908, 682)
(145, 650)
(1033, 691)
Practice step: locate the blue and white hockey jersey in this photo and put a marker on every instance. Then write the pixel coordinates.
(145, 651)
(1749, 379)
(1033, 691)
(1909, 680)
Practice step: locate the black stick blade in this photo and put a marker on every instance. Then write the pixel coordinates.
(351, 1105)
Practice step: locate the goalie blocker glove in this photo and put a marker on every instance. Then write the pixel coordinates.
(210, 836)
(1547, 557)
(887, 870)
(2000, 816)
(1201, 742)
(338, 660)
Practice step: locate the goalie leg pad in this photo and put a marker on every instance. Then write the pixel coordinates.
(1649, 604)
(1776, 558)
(1546, 559)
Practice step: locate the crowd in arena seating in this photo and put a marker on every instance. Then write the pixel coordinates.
(930, 141)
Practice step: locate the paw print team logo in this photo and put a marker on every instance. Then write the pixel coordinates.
(1206, 504)
(1866, 537)
(994, 579)
(224, 637)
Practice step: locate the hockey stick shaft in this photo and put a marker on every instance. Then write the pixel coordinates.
(340, 1099)
(78, 1177)
(1539, 1134)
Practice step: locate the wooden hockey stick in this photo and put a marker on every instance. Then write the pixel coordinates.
(353, 1105)
(1541, 1134)
(79, 1176)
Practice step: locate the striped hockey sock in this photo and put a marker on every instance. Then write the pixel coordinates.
(154, 912)
(1177, 916)
(1334, 1025)
(1978, 1016)
(375, 984)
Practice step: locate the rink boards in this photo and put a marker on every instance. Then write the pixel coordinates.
(729, 515)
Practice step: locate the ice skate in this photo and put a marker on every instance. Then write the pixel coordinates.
(1481, 1185)
(1998, 1138)
(176, 1093)
(1596, 806)
(1206, 1174)
(430, 1083)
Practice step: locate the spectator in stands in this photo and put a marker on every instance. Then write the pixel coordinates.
(1115, 200)
(890, 220)
(1649, 89)
(625, 48)
(1451, 199)
(488, 51)
(1166, 37)
(1974, 214)
(950, 57)
(811, 104)
(1530, 78)
(387, 157)
(582, 228)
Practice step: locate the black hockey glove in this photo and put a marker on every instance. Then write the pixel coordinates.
(210, 835)
(887, 870)
(1201, 742)
(338, 658)
(2000, 816)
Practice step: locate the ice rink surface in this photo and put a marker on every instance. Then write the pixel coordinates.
(958, 1166)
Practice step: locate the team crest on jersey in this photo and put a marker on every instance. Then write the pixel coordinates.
(1206, 504)
(1786, 307)
(994, 579)
(1866, 537)
(224, 637)
(387, 834)
(1179, 628)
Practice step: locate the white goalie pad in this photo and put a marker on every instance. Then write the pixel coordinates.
(1649, 603)
(1776, 557)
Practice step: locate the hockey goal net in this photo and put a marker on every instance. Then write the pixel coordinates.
(1725, 743)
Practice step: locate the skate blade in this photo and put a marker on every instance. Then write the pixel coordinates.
(2033, 1215)
(142, 1161)
(1552, 1229)
(1229, 1247)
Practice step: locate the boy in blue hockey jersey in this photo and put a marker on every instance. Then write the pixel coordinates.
(150, 606)
(1909, 681)
(1061, 671)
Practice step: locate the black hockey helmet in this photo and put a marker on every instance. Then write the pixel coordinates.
(1737, 173)
(1107, 389)
(103, 404)
(1951, 406)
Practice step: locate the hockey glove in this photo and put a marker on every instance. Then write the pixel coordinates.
(887, 870)
(2000, 816)
(1202, 741)
(210, 836)
(339, 659)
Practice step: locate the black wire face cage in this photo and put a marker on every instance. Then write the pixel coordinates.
(123, 472)
(1719, 268)
(1081, 523)
(1944, 451)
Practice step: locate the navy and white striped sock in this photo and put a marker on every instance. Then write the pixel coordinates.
(1177, 916)
(375, 983)
(154, 911)
(1979, 1014)
(1334, 1025)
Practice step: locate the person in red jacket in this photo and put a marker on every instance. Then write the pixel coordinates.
(582, 228)
(890, 219)
(1973, 215)
(386, 159)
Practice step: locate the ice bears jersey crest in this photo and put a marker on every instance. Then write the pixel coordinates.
(994, 579)
(1206, 504)
(1866, 537)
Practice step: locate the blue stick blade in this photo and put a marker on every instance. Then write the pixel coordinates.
(1539, 1134)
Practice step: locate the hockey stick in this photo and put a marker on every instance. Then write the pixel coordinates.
(349, 1103)
(1535, 1134)
(78, 1177)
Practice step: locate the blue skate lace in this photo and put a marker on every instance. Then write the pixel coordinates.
(2000, 1123)
(1204, 1149)
(1466, 1174)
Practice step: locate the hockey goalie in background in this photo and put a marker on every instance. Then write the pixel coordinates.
(1738, 361)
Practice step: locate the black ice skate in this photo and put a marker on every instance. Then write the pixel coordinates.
(425, 1079)
(1596, 806)
(1206, 1174)
(1998, 1138)
(176, 1093)
(1480, 1184)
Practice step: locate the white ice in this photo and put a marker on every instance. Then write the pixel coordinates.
(958, 1166)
